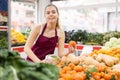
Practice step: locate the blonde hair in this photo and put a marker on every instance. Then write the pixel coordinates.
(57, 24)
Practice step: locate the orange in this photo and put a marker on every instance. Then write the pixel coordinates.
(60, 79)
(78, 77)
(78, 68)
(72, 43)
(107, 77)
(71, 65)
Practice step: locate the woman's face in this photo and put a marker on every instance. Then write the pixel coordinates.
(51, 14)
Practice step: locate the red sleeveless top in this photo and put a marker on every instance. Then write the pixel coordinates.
(44, 45)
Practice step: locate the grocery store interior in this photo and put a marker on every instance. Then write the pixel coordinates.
(93, 24)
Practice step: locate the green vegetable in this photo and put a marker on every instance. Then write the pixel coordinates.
(66, 63)
(32, 75)
(88, 75)
(105, 71)
(12, 67)
(113, 77)
(49, 70)
(93, 69)
(8, 74)
(89, 71)
(55, 57)
(1, 71)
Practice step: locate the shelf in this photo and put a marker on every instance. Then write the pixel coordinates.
(18, 48)
(3, 28)
(81, 47)
(78, 47)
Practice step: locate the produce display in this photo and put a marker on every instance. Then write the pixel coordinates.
(79, 72)
(84, 37)
(103, 64)
(113, 42)
(3, 40)
(17, 38)
(94, 66)
(109, 35)
(114, 52)
(12, 67)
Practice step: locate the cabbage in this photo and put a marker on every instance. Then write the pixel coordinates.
(112, 43)
(113, 39)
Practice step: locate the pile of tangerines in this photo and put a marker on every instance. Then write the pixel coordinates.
(71, 71)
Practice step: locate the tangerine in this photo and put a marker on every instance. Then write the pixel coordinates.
(72, 43)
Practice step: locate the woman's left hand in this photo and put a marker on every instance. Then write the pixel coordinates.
(43, 61)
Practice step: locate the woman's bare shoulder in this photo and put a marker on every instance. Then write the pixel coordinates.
(38, 27)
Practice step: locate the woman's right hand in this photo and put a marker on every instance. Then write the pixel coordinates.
(71, 49)
(71, 46)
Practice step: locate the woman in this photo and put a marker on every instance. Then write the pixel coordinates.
(45, 36)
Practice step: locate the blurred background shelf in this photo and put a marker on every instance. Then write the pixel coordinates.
(3, 28)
